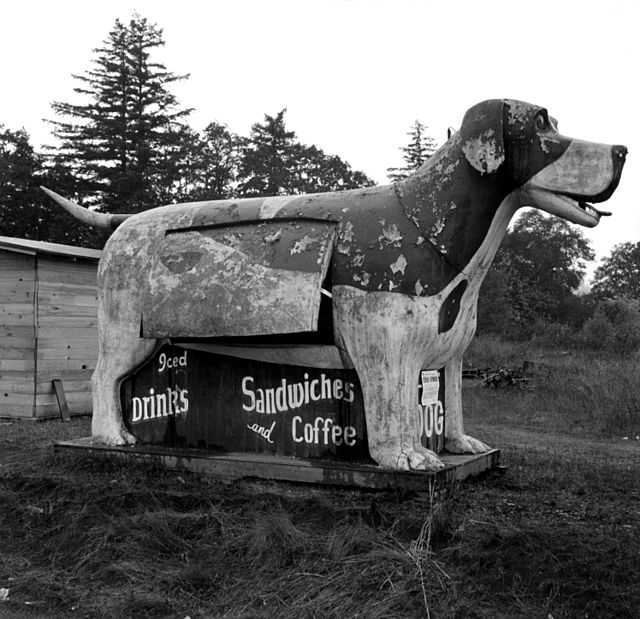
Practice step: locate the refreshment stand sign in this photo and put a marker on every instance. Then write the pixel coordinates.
(185, 397)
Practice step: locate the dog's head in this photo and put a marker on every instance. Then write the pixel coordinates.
(557, 174)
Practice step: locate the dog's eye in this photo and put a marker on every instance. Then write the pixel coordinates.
(541, 122)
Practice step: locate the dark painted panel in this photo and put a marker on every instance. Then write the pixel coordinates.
(451, 307)
(238, 280)
(281, 243)
(192, 398)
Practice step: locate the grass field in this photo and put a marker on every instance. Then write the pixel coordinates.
(578, 393)
(557, 534)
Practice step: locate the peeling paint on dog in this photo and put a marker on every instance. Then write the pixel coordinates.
(273, 238)
(345, 231)
(302, 245)
(483, 152)
(183, 262)
(547, 142)
(362, 278)
(357, 261)
(270, 206)
(518, 112)
(436, 229)
(390, 235)
(399, 265)
(400, 304)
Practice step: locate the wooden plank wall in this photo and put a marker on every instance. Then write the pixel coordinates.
(17, 334)
(67, 329)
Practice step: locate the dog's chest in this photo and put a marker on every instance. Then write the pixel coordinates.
(456, 322)
(457, 304)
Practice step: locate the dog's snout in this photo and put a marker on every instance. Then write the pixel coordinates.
(619, 151)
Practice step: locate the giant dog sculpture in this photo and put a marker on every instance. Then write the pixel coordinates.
(406, 262)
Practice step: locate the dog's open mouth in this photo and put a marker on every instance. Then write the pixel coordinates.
(573, 208)
(587, 208)
(590, 209)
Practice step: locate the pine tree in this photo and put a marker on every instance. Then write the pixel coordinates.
(199, 166)
(421, 146)
(19, 164)
(116, 139)
(25, 212)
(177, 168)
(266, 159)
(275, 163)
(313, 171)
(220, 157)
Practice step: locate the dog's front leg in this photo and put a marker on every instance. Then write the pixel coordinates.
(382, 336)
(456, 441)
(391, 411)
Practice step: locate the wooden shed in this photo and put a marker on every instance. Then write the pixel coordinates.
(48, 327)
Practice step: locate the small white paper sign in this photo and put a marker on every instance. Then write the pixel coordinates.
(430, 386)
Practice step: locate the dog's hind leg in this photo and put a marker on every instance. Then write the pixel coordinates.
(381, 334)
(120, 351)
(456, 441)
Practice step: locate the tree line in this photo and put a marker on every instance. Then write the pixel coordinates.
(535, 289)
(127, 146)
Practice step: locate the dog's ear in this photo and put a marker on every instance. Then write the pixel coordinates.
(482, 136)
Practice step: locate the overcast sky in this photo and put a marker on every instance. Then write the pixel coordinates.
(355, 74)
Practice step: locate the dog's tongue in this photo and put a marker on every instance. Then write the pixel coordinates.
(601, 213)
(589, 207)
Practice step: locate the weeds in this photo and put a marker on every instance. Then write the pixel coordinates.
(420, 553)
(130, 540)
(579, 393)
(556, 534)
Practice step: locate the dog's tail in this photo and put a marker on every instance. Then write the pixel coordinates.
(93, 218)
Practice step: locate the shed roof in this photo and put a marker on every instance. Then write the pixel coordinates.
(27, 246)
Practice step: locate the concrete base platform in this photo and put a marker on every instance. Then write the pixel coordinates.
(231, 466)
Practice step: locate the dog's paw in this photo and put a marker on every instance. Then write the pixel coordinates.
(423, 460)
(465, 445)
(411, 460)
(127, 438)
(113, 437)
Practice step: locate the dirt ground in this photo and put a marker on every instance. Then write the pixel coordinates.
(22, 441)
(30, 441)
(554, 535)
